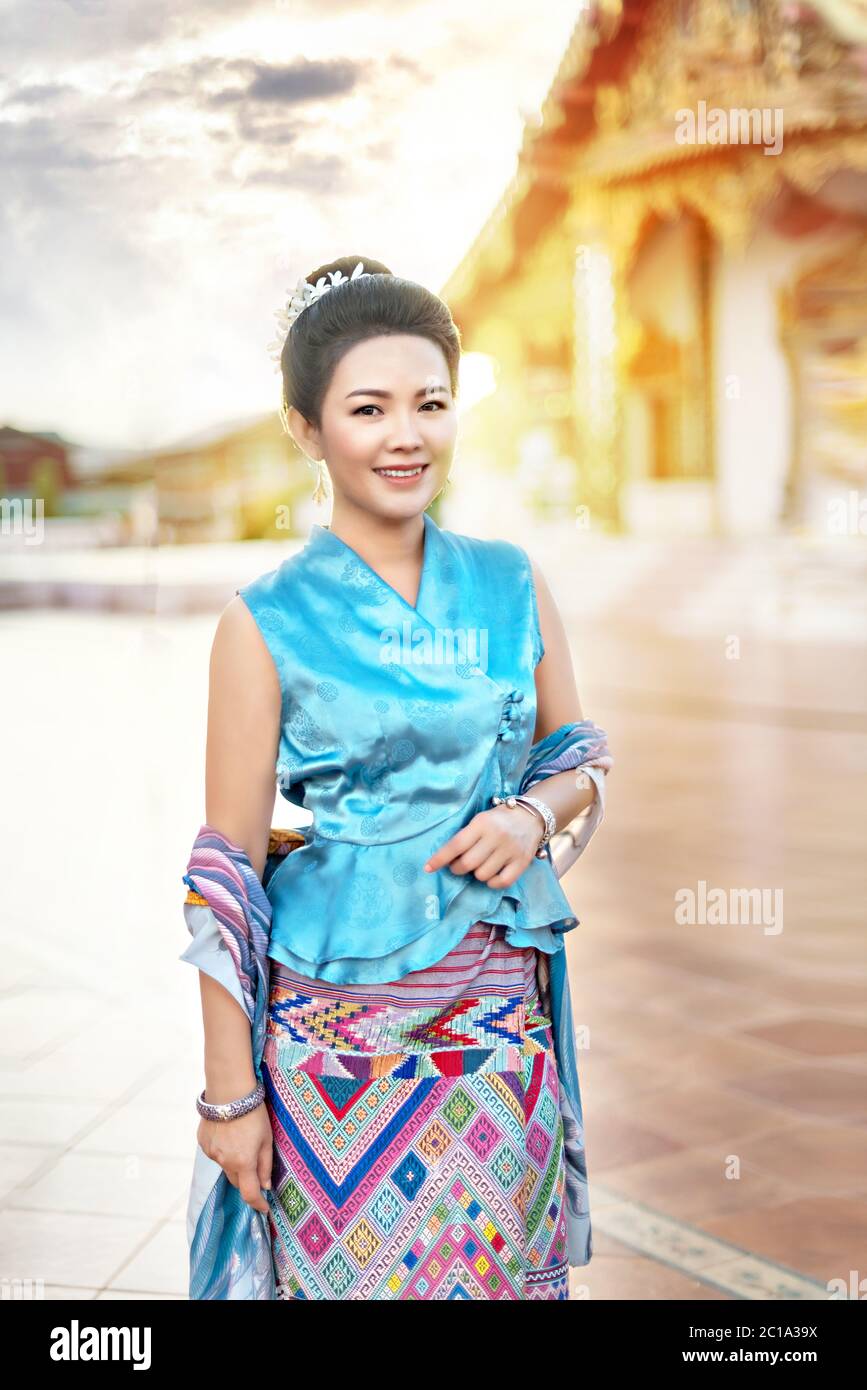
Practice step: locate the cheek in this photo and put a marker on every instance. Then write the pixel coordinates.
(350, 440)
(442, 429)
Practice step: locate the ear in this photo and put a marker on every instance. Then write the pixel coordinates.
(306, 436)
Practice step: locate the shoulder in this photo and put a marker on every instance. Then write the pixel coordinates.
(276, 599)
(256, 612)
(506, 554)
(243, 676)
(492, 555)
(264, 621)
(238, 637)
(273, 582)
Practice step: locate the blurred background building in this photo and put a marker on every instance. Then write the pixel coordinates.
(680, 329)
(237, 480)
(664, 332)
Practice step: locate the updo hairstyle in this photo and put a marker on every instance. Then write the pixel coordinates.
(372, 305)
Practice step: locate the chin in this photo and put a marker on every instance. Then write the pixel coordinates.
(410, 503)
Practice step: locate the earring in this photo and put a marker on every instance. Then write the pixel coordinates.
(320, 492)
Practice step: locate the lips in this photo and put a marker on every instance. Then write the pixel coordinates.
(414, 470)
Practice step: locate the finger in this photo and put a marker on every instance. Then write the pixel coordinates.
(249, 1189)
(266, 1158)
(482, 850)
(456, 845)
(446, 853)
(492, 865)
(507, 875)
(441, 856)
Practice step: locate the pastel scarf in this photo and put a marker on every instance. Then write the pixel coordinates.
(584, 748)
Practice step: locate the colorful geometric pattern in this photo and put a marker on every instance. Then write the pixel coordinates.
(418, 1143)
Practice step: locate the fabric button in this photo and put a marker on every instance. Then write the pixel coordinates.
(517, 696)
(507, 735)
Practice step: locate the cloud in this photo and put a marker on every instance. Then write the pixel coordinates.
(303, 80)
(44, 31)
(169, 166)
(39, 93)
(39, 145)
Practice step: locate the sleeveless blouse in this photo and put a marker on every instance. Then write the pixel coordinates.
(398, 724)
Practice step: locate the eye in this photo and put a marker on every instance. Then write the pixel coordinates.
(439, 405)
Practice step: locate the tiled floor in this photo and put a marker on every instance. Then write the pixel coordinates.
(723, 1066)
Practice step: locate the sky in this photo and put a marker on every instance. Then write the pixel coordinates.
(170, 168)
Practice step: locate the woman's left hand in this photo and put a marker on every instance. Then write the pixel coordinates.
(496, 845)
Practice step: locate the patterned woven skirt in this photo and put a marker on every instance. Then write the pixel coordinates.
(418, 1143)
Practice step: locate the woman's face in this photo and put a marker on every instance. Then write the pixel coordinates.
(389, 405)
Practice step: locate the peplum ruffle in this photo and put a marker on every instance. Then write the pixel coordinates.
(350, 913)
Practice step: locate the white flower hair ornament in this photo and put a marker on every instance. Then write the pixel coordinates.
(303, 295)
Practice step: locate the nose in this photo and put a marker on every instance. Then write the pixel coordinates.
(407, 426)
(408, 439)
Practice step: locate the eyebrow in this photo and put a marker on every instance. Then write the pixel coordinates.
(386, 395)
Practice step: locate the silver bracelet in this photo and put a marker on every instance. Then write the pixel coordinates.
(549, 820)
(230, 1109)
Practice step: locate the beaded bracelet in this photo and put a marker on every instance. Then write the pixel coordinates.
(230, 1109)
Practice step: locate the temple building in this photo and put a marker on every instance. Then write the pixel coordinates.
(673, 289)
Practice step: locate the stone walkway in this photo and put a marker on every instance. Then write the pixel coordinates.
(724, 1075)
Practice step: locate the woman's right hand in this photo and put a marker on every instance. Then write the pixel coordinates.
(244, 1149)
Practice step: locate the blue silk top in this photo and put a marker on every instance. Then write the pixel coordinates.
(398, 725)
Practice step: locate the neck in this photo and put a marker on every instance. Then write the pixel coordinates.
(390, 541)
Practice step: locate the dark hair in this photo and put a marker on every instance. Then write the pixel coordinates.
(372, 305)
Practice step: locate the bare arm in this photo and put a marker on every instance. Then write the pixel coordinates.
(557, 703)
(557, 699)
(243, 735)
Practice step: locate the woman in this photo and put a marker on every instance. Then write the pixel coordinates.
(399, 1123)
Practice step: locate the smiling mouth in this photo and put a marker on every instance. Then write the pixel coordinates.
(413, 471)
